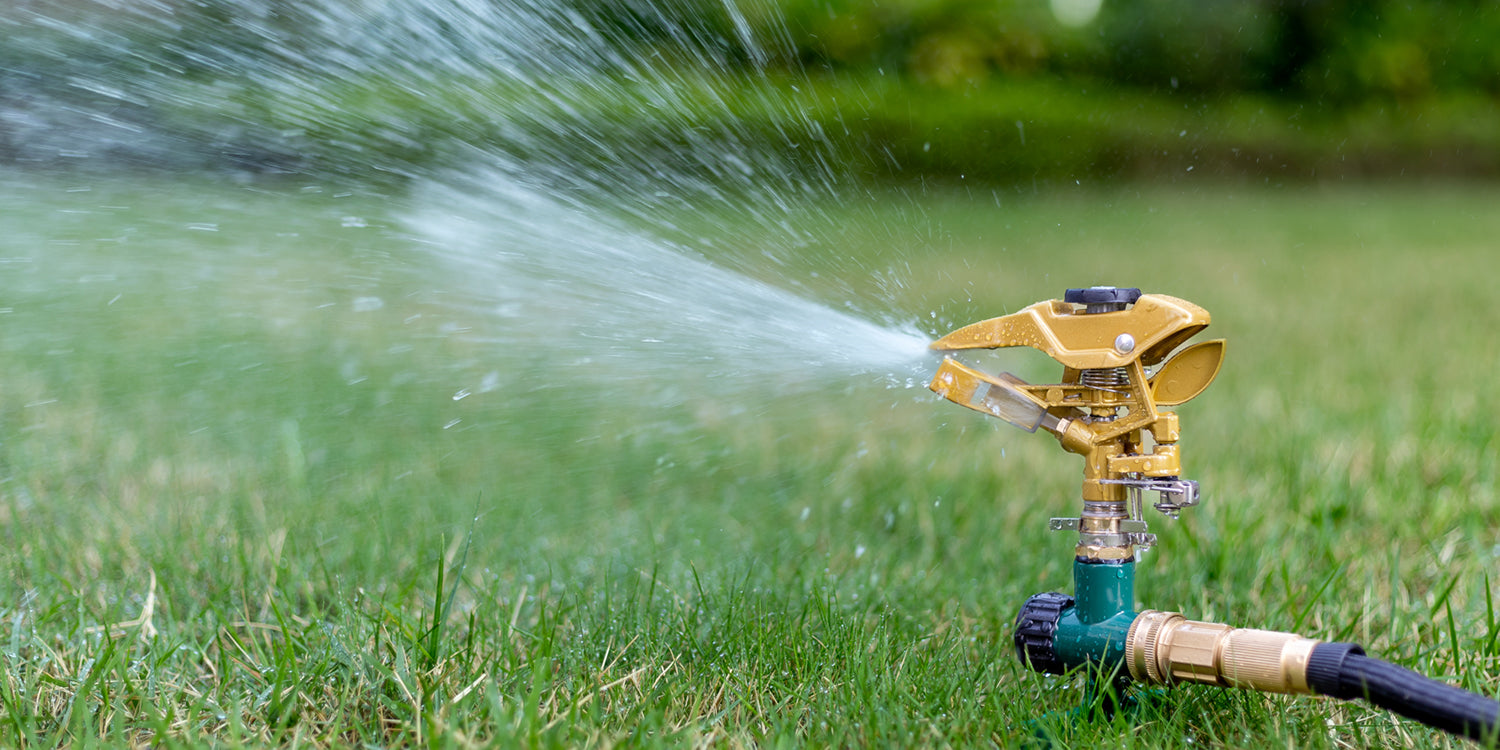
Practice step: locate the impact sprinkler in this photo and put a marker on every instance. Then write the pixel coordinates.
(1124, 362)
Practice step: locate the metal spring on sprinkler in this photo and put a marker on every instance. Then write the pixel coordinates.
(1113, 379)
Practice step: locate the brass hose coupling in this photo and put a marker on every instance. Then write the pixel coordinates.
(1165, 647)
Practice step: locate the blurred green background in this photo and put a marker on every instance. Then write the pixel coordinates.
(1006, 91)
(993, 92)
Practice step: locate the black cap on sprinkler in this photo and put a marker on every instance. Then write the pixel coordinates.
(1103, 298)
(1103, 295)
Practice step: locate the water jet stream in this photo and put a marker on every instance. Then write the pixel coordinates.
(595, 292)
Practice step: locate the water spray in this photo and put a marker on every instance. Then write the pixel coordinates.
(1125, 359)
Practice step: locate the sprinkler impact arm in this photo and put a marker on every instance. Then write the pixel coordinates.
(1117, 348)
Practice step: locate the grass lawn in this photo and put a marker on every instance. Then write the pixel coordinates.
(260, 483)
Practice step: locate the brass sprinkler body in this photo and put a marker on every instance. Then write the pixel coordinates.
(1106, 406)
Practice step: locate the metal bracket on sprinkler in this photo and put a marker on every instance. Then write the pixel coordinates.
(1125, 356)
(1184, 490)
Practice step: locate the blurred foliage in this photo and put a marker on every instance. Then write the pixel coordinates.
(1004, 90)
(999, 91)
(1338, 49)
(937, 42)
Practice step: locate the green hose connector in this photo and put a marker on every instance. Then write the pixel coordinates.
(1058, 634)
(1094, 630)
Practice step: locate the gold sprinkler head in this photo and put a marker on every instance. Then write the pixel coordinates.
(1117, 348)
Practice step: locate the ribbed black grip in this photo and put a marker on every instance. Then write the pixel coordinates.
(1035, 627)
(1325, 666)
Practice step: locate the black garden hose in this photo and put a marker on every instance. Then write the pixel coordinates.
(1341, 670)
